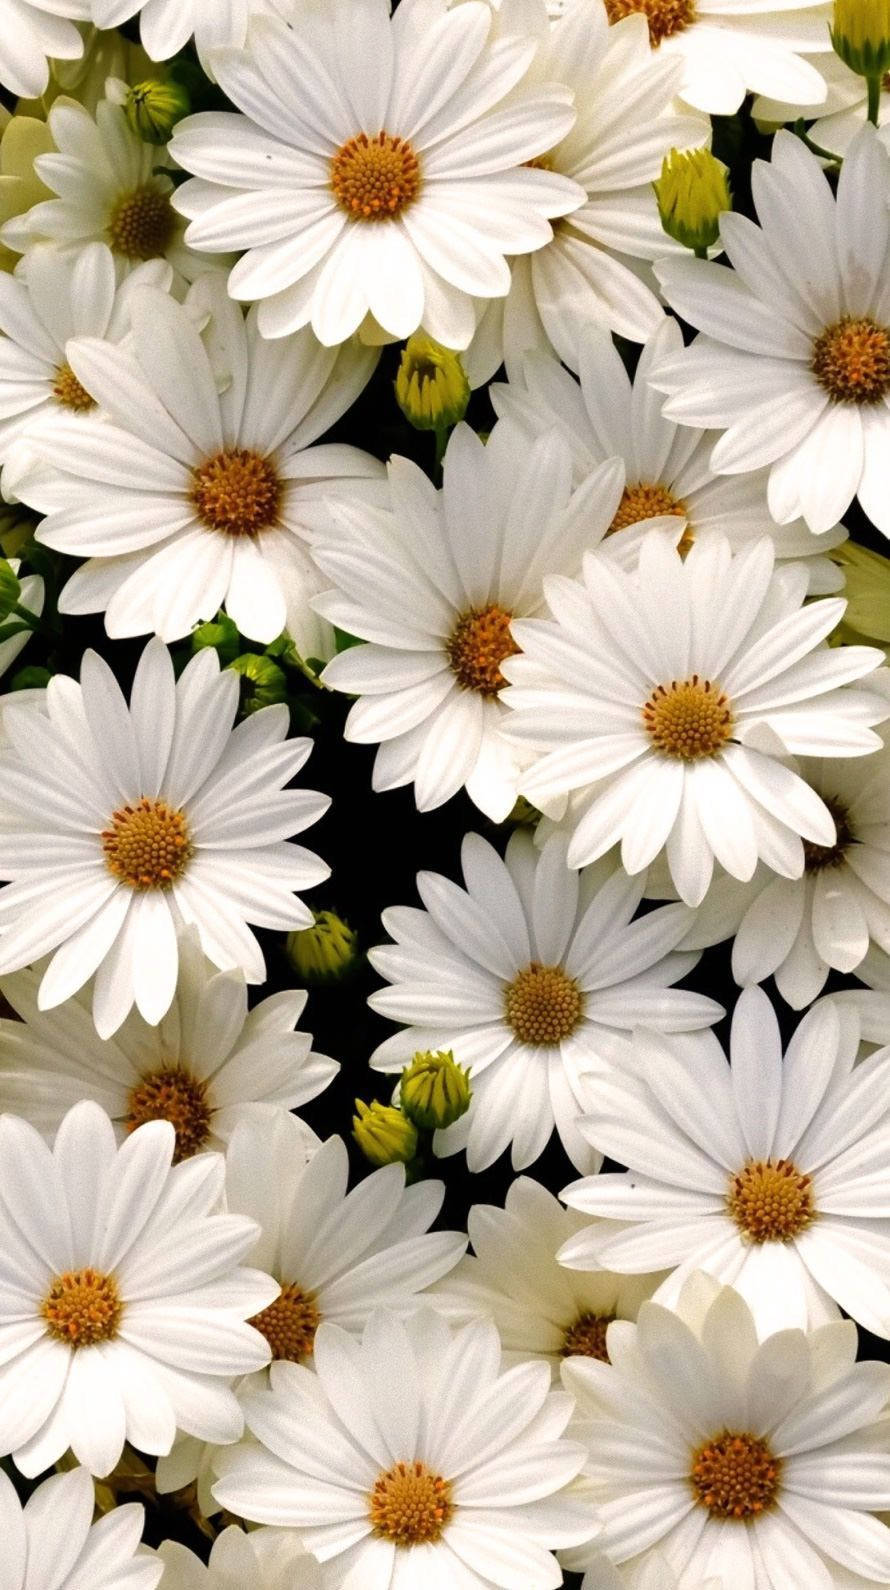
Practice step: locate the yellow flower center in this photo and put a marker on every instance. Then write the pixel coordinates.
(289, 1324)
(543, 1004)
(851, 361)
(770, 1202)
(651, 500)
(68, 391)
(237, 492)
(735, 1476)
(477, 646)
(141, 225)
(170, 1094)
(823, 858)
(82, 1307)
(586, 1337)
(147, 845)
(688, 719)
(410, 1505)
(665, 17)
(375, 178)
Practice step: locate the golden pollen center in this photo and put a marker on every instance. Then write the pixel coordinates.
(82, 1307)
(771, 1202)
(689, 718)
(410, 1505)
(68, 391)
(543, 1004)
(851, 361)
(375, 178)
(478, 645)
(147, 845)
(822, 858)
(587, 1337)
(645, 500)
(289, 1324)
(665, 17)
(142, 224)
(735, 1476)
(170, 1094)
(237, 492)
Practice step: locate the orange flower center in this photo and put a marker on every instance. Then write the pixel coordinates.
(410, 1505)
(587, 1337)
(170, 1094)
(823, 858)
(289, 1324)
(771, 1202)
(237, 492)
(478, 644)
(82, 1307)
(375, 178)
(688, 719)
(851, 361)
(735, 1476)
(68, 391)
(651, 500)
(147, 845)
(543, 1004)
(141, 225)
(665, 17)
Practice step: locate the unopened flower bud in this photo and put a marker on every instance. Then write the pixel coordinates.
(434, 1090)
(324, 952)
(384, 1135)
(265, 681)
(153, 109)
(10, 589)
(692, 192)
(861, 36)
(432, 389)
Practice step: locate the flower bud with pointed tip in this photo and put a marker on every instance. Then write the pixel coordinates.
(324, 952)
(432, 389)
(692, 192)
(384, 1135)
(861, 36)
(153, 109)
(435, 1091)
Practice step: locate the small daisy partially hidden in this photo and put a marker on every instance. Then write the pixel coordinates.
(109, 187)
(52, 1543)
(752, 1463)
(794, 358)
(541, 1309)
(769, 1174)
(413, 1460)
(204, 1067)
(264, 1559)
(123, 1301)
(197, 483)
(30, 32)
(531, 975)
(434, 584)
(120, 825)
(667, 473)
(666, 701)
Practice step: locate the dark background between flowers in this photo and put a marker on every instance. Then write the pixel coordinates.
(376, 844)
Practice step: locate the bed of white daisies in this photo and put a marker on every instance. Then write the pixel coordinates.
(480, 410)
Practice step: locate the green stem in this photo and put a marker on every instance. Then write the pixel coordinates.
(800, 131)
(700, 251)
(874, 99)
(442, 434)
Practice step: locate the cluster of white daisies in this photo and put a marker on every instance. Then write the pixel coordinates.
(618, 615)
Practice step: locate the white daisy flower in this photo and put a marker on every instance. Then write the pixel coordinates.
(794, 358)
(166, 26)
(336, 1255)
(119, 825)
(591, 270)
(412, 1460)
(541, 1309)
(204, 1067)
(840, 117)
(52, 1543)
(758, 1464)
(123, 1303)
(172, 457)
(265, 1559)
(667, 470)
(669, 698)
(769, 1176)
(110, 188)
(530, 975)
(359, 189)
(31, 31)
(433, 584)
(60, 297)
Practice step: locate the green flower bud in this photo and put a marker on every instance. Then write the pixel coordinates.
(153, 109)
(10, 589)
(384, 1135)
(692, 192)
(867, 589)
(324, 952)
(435, 1091)
(222, 635)
(266, 682)
(432, 389)
(861, 35)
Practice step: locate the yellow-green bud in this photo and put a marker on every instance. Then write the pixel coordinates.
(324, 952)
(692, 192)
(153, 109)
(384, 1135)
(16, 526)
(435, 1091)
(861, 35)
(432, 389)
(867, 589)
(10, 589)
(265, 681)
